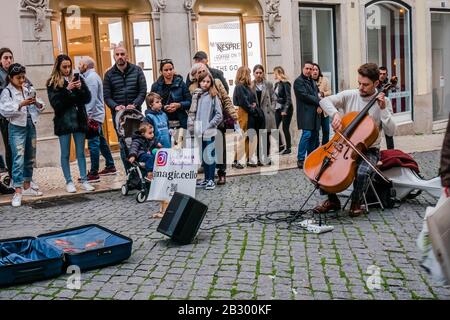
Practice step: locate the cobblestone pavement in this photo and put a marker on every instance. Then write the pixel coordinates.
(51, 180)
(242, 260)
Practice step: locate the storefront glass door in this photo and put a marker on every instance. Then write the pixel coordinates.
(440, 28)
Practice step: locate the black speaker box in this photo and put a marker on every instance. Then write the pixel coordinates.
(182, 218)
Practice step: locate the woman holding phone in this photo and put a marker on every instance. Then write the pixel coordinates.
(18, 103)
(68, 95)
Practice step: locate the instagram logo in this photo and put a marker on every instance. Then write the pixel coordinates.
(161, 160)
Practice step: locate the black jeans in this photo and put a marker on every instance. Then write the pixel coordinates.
(221, 154)
(286, 120)
(5, 135)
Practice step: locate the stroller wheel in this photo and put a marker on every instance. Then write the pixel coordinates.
(125, 190)
(141, 197)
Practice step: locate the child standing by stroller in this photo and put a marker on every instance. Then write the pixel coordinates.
(160, 122)
(205, 116)
(158, 119)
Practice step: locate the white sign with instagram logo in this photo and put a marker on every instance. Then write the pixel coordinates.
(175, 170)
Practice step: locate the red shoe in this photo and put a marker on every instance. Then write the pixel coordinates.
(92, 178)
(108, 171)
(356, 210)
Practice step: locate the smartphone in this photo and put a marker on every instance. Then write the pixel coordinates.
(76, 76)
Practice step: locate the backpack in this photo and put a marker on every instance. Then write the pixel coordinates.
(385, 191)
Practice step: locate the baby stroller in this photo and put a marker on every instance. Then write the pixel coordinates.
(127, 123)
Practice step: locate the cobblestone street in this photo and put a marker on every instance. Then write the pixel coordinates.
(241, 260)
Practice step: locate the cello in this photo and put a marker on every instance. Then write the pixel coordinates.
(332, 167)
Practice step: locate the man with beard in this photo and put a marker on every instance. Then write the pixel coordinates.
(124, 87)
(381, 113)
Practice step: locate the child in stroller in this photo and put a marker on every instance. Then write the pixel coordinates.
(128, 121)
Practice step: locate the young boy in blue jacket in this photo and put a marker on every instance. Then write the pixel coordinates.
(158, 119)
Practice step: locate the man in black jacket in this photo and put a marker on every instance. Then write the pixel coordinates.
(202, 57)
(308, 113)
(124, 87)
(383, 81)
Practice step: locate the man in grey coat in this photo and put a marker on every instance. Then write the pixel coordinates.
(308, 112)
(95, 110)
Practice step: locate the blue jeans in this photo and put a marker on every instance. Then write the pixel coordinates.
(149, 160)
(325, 124)
(64, 142)
(209, 158)
(308, 143)
(23, 146)
(96, 145)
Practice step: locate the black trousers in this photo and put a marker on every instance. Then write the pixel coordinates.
(221, 154)
(286, 120)
(5, 135)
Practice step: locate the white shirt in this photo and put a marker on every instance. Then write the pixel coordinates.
(351, 100)
(9, 106)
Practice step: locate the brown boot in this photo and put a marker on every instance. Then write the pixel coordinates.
(355, 209)
(329, 205)
(222, 180)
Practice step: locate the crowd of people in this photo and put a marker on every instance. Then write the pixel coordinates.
(177, 111)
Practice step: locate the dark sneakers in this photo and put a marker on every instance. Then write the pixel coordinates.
(92, 177)
(300, 164)
(108, 171)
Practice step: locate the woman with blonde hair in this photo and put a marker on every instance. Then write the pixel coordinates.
(283, 107)
(244, 98)
(68, 95)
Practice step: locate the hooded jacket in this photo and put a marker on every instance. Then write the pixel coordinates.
(140, 145)
(160, 124)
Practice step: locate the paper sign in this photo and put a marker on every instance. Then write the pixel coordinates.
(175, 170)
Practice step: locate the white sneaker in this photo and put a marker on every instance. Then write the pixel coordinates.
(30, 192)
(86, 186)
(70, 188)
(17, 200)
(34, 185)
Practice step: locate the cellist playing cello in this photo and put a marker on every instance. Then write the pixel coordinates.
(356, 100)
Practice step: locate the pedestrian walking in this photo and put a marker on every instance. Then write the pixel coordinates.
(383, 81)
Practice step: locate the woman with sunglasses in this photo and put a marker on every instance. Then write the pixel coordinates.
(68, 95)
(176, 99)
(19, 105)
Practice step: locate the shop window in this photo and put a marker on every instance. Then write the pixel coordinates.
(388, 32)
